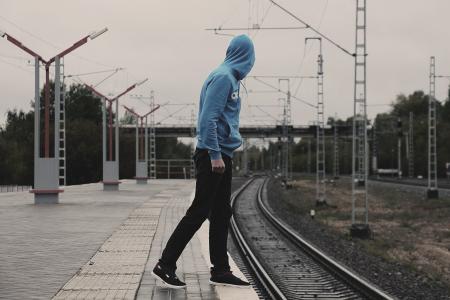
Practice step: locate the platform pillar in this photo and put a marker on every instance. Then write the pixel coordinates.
(110, 160)
(46, 169)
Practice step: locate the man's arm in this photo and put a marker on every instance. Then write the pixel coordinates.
(213, 106)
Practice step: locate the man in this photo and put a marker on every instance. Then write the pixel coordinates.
(218, 136)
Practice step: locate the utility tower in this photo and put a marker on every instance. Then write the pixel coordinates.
(320, 134)
(433, 191)
(336, 150)
(287, 115)
(411, 145)
(360, 212)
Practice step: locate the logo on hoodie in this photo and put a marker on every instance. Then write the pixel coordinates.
(235, 96)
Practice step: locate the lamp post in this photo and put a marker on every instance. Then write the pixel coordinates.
(46, 171)
(111, 157)
(141, 145)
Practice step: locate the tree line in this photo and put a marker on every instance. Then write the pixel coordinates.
(84, 142)
(384, 131)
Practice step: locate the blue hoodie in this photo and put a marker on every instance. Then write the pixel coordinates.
(220, 103)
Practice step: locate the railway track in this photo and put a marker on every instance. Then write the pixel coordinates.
(287, 266)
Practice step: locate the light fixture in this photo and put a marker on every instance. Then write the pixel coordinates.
(98, 33)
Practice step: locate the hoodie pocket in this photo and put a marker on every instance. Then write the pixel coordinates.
(234, 137)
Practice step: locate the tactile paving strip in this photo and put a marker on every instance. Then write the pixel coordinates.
(115, 271)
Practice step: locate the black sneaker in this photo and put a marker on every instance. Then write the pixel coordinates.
(227, 279)
(168, 277)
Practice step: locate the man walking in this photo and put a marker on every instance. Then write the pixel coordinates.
(218, 136)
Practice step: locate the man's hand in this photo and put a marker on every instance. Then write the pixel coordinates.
(218, 166)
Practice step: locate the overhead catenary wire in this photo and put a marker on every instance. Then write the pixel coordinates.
(255, 28)
(16, 66)
(325, 37)
(93, 73)
(284, 92)
(265, 112)
(305, 53)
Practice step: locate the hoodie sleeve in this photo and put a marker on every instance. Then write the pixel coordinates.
(216, 97)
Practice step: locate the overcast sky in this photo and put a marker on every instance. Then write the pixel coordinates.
(166, 41)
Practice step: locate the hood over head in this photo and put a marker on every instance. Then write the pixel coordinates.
(240, 55)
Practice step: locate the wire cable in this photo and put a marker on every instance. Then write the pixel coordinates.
(284, 92)
(306, 52)
(313, 29)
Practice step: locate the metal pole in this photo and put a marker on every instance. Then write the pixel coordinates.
(399, 148)
(104, 130)
(411, 146)
(110, 132)
(117, 136)
(433, 191)
(152, 139)
(374, 149)
(47, 112)
(336, 150)
(309, 156)
(37, 112)
(137, 141)
(62, 131)
(142, 129)
(320, 130)
(286, 123)
(360, 216)
(146, 143)
(57, 107)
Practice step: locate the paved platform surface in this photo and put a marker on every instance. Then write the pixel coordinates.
(102, 245)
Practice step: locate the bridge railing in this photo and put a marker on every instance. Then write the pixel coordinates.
(173, 168)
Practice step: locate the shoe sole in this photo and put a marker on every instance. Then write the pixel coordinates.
(175, 287)
(230, 285)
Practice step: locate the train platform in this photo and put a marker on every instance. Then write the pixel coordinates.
(102, 245)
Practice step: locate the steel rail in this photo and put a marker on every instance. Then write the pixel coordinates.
(354, 281)
(248, 255)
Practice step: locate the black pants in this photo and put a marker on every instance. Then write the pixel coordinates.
(212, 201)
